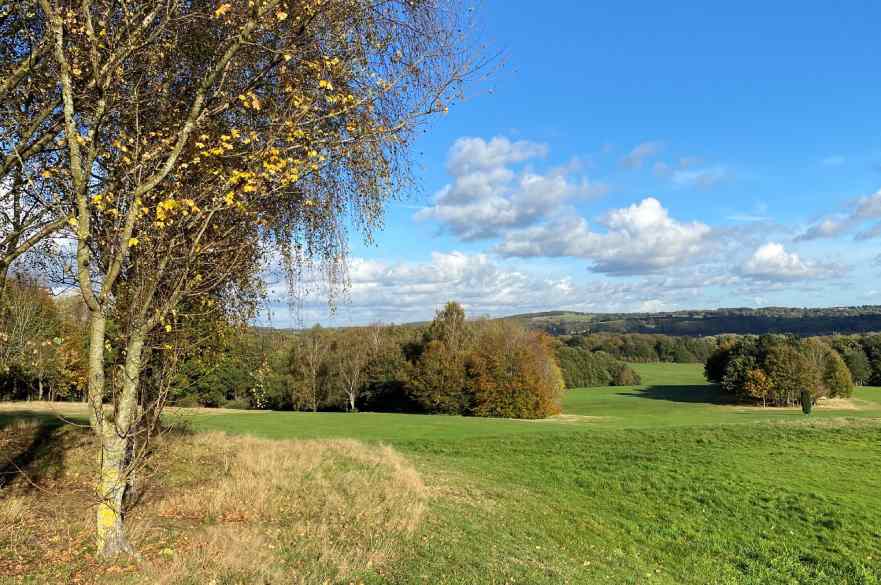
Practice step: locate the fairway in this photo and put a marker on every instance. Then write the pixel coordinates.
(660, 483)
(671, 395)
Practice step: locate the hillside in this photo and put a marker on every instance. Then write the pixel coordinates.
(801, 321)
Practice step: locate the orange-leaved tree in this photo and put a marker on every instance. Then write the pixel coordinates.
(513, 373)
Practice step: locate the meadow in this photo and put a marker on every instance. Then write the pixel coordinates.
(661, 483)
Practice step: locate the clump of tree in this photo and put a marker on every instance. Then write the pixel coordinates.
(777, 370)
(582, 368)
(646, 348)
(512, 372)
(484, 369)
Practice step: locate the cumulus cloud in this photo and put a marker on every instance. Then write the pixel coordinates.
(771, 262)
(639, 239)
(636, 157)
(412, 291)
(862, 211)
(488, 196)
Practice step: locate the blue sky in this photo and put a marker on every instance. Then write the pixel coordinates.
(642, 156)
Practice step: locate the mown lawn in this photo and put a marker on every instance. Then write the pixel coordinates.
(661, 483)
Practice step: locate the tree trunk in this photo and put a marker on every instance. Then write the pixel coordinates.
(114, 434)
(111, 489)
(40, 389)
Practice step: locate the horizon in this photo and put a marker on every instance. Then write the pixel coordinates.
(561, 312)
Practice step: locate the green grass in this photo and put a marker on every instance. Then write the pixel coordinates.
(663, 483)
(660, 483)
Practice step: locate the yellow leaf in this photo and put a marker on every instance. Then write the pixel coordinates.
(167, 327)
(281, 15)
(222, 9)
(133, 242)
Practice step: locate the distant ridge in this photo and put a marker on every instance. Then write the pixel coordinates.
(700, 323)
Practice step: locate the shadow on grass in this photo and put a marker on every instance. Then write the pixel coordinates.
(35, 450)
(702, 394)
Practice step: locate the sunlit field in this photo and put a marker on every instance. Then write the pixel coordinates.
(659, 483)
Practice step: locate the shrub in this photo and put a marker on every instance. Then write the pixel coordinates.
(807, 402)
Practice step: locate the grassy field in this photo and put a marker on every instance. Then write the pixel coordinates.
(661, 483)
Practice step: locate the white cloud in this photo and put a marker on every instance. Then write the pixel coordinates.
(863, 210)
(412, 291)
(639, 239)
(640, 153)
(487, 195)
(472, 154)
(771, 262)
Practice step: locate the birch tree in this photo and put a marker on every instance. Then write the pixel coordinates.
(309, 356)
(201, 136)
(352, 354)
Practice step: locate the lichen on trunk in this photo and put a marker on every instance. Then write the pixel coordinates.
(111, 539)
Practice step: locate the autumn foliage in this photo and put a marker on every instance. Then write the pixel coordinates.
(495, 369)
(513, 373)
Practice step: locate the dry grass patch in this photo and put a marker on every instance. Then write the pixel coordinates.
(309, 510)
(219, 509)
(853, 404)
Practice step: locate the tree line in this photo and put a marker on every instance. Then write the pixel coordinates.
(451, 366)
(732, 321)
(641, 347)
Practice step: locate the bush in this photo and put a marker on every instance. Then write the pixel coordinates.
(807, 402)
(188, 401)
(238, 403)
